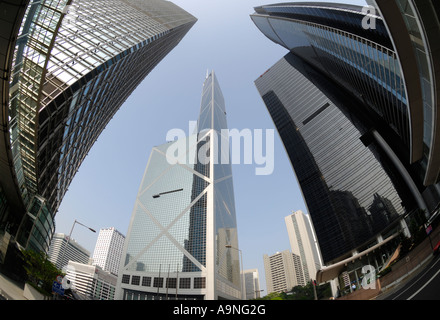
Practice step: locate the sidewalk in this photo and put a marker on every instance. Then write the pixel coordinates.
(10, 289)
(395, 286)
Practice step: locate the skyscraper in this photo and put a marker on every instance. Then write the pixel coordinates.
(182, 240)
(108, 250)
(303, 243)
(414, 26)
(91, 281)
(62, 250)
(333, 39)
(282, 271)
(339, 175)
(71, 65)
(340, 103)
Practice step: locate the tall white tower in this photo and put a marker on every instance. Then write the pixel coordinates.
(108, 250)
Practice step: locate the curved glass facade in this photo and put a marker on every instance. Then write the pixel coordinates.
(359, 61)
(415, 25)
(353, 192)
(75, 64)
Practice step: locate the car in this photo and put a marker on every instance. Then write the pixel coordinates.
(437, 248)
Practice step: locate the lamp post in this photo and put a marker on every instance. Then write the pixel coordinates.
(70, 235)
(242, 271)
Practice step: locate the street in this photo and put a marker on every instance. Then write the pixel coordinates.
(424, 286)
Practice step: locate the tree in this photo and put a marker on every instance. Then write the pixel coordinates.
(40, 271)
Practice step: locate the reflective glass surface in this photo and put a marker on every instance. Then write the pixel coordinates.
(168, 231)
(353, 192)
(367, 68)
(73, 68)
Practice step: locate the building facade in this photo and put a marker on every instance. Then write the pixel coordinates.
(375, 64)
(108, 250)
(342, 105)
(91, 281)
(72, 66)
(303, 243)
(353, 197)
(414, 26)
(251, 284)
(62, 250)
(182, 240)
(282, 270)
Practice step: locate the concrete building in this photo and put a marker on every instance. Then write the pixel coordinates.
(62, 250)
(251, 284)
(182, 240)
(108, 250)
(282, 270)
(303, 243)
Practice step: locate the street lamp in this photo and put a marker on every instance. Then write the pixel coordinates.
(159, 194)
(70, 235)
(242, 271)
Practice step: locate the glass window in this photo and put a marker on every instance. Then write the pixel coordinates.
(199, 283)
(185, 283)
(126, 278)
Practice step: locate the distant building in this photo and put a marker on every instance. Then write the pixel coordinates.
(62, 250)
(91, 281)
(251, 284)
(282, 270)
(108, 250)
(303, 243)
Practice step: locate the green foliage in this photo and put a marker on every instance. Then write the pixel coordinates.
(301, 293)
(40, 271)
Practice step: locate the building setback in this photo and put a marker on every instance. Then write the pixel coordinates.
(182, 239)
(69, 66)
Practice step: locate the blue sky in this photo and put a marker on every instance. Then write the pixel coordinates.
(224, 39)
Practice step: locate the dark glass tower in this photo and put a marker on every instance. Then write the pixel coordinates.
(73, 65)
(350, 123)
(355, 103)
(354, 195)
(182, 240)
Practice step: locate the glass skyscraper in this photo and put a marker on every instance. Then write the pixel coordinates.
(340, 102)
(72, 66)
(354, 196)
(182, 240)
